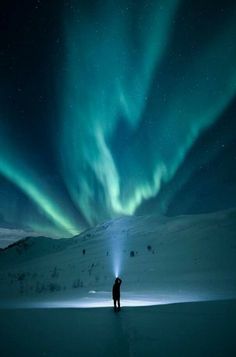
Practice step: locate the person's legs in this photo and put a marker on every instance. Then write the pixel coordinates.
(114, 304)
(118, 304)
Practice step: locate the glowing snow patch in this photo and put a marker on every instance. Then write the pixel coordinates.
(128, 299)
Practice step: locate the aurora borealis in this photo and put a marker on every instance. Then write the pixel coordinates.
(115, 108)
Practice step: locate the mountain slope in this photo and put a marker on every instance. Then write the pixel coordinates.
(160, 260)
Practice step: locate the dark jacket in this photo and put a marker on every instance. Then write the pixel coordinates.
(116, 289)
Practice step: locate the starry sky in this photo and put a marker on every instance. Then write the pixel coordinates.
(111, 108)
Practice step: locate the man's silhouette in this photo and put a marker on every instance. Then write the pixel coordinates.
(116, 294)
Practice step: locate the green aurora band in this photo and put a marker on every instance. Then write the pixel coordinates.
(113, 74)
(16, 171)
(109, 76)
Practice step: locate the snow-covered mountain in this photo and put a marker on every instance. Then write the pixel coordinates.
(10, 235)
(160, 259)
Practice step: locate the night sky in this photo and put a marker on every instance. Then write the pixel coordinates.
(113, 108)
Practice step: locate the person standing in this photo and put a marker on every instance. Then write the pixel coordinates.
(116, 294)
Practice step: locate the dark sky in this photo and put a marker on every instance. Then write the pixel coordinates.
(113, 108)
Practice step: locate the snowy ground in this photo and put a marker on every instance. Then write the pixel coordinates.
(178, 293)
(186, 330)
(161, 260)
